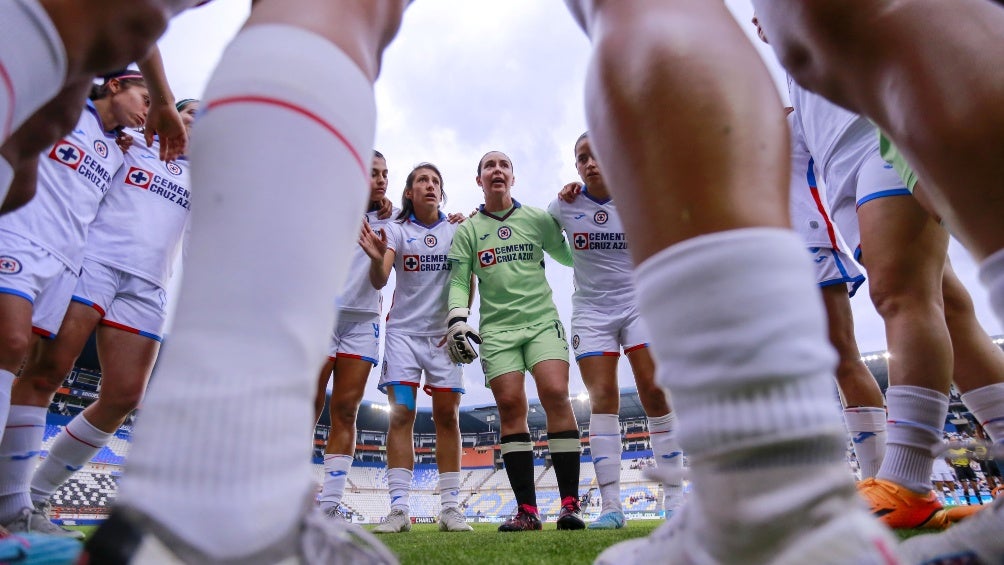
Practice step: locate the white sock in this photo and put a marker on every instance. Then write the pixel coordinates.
(449, 489)
(866, 425)
(987, 404)
(19, 450)
(746, 356)
(336, 472)
(992, 275)
(6, 384)
(32, 62)
(605, 447)
(233, 400)
(73, 448)
(662, 432)
(915, 428)
(399, 486)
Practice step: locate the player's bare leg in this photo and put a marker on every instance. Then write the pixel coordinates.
(243, 370)
(703, 208)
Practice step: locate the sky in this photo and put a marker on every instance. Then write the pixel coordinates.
(467, 76)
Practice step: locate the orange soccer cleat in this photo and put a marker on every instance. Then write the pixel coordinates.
(899, 507)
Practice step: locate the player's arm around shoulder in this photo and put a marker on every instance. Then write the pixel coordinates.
(553, 240)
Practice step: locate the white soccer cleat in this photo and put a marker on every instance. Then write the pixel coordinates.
(36, 521)
(850, 537)
(451, 520)
(395, 522)
(974, 541)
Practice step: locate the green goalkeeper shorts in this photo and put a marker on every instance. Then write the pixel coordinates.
(518, 350)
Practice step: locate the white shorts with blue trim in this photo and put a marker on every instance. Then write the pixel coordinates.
(857, 175)
(835, 267)
(29, 271)
(125, 301)
(407, 357)
(353, 339)
(604, 331)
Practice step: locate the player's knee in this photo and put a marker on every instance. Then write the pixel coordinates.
(120, 402)
(445, 417)
(892, 300)
(13, 350)
(343, 415)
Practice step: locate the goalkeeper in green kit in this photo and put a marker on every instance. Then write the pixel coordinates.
(504, 245)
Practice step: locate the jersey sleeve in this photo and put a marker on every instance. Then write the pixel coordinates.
(394, 237)
(460, 258)
(554, 242)
(554, 209)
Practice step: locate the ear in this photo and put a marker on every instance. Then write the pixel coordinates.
(477, 179)
(114, 86)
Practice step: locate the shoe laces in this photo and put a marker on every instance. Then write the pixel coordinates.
(570, 503)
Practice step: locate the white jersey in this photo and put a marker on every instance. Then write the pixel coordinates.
(826, 126)
(358, 295)
(602, 265)
(420, 306)
(73, 177)
(140, 224)
(808, 216)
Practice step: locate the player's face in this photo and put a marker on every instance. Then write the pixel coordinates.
(586, 165)
(129, 105)
(426, 190)
(188, 115)
(378, 179)
(496, 173)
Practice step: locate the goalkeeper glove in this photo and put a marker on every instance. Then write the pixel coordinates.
(459, 337)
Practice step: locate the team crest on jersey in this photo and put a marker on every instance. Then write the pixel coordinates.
(430, 240)
(101, 148)
(505, 232)
(486, 257)
(600, 217)
(9, 265)
(173, 168)
(139, 178)
(67, 154)
(575, 341)
(580, 241)
(411, 263)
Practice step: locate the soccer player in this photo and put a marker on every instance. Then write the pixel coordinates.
(416, 245)
(604, 319)
(121, 292)
(838, 279)
(503, 245)
(353, 352)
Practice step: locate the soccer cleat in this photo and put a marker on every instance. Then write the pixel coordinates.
(36, 521)
(123, 539)
(613, 520)
(570, 516)
(335, 514)
(451, 520)
(39, 549)
(395, 522)
(851, 536)
(976, 541)
(899, 507)
(526, 519)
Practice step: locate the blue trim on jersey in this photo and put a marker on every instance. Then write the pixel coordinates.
(810, 174)
(515, 205)
(414, 220)
(585, 192)
(883, 194)
(857, 253)
(94, 111)
(598, 354)
(17, 293)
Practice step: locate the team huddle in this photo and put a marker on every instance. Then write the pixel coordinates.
(687, 124)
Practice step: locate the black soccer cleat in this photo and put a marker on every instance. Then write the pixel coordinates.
(526, 519)
(570, 517)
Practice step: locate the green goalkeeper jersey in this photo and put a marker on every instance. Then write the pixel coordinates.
(506, 252)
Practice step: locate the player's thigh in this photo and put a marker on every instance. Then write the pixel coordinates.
(127, 360)
(599, 374)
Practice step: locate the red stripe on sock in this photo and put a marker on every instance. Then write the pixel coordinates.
(69, 433)
(299, 110)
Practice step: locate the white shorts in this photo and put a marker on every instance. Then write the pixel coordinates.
(942, 472)
(835, 267)
(356, 340)
(29, 271)
(125, 301)
(406, 357)
(857, 176)
(597, 331)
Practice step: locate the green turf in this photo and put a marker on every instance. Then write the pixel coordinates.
(426, 544)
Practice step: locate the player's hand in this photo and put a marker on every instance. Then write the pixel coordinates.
(386, 209)
(124, 141)
(456, 218)
(460, 337)
(374, 243)
(164, 121)
(474, 212)
(570, 192)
